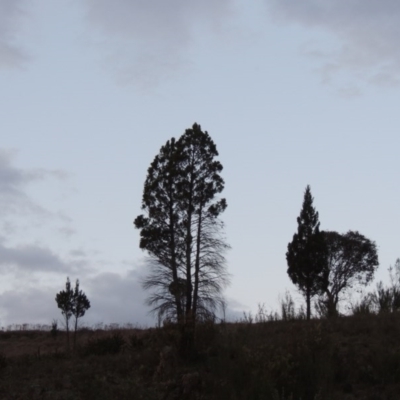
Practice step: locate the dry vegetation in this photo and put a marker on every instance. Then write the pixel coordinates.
(345, 358)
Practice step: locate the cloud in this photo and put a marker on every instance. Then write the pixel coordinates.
(14, 182)
(32, 305)
(67, 231)
(114, 298)
(234, 310)
(118, 298)
(367, 33)
(34, 258)
(146, 40)
(10, 19)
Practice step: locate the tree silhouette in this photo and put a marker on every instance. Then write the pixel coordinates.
(80, 305)
(72, 303)
(181, 230)
(306, 255)
(352, 259)
(64, 301)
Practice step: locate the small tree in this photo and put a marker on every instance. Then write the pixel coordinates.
(394, 273)
(72, 303)
(64, 301)
(306, 255)
(80, 305)
(352, 260)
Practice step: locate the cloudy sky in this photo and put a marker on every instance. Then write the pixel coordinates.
(293, 93)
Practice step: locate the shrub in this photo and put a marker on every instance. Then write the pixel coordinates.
(54, 328)
(363, 307)
(107, 345)
(136, 342)
(3, 361)
(287, 307)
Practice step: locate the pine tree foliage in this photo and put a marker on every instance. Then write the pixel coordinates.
(64, 301)
(80, 305)
(181, 229)
(306, 255)
(72, 302)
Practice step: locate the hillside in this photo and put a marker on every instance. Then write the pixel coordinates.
(346, 358)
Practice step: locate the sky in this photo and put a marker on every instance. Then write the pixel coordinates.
(292, 93)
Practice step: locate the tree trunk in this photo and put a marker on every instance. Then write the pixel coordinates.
(331, 305)
(189, 241)
(76, 328)
(186, 341)
(67, 326)
(197, 266)
(308, 298)
(173, 263)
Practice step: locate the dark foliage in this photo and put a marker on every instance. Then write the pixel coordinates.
(352, 260)
(64, 301)
(387, 298)
(111, 344)
(54, 328)
(306, 255)
(181, 230)
(3, 361)
(80, 305)
(344, 358)
(72, 303)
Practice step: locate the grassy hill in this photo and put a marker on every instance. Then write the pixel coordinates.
(346, 358)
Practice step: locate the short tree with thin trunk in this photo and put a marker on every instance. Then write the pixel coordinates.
(72, 302)
(64, 301)
(306, 255)
(80, 305)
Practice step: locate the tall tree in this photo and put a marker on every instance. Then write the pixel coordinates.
(352, 260)
(306, 255)
(181, 230)
(161, 233)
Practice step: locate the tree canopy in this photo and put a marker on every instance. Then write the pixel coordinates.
(352, 260)
(181, 230)
(72, 302)
(306, 256)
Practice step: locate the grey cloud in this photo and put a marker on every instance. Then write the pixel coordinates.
(78, 253)
(13, 184)
(32, 258)
(12, 178)
(114, 298)
(11, 14)
(31, 305)
(146, 39)
(234, 310)
(67, 231)
(367, 31)
(350, 91)
(118, 298)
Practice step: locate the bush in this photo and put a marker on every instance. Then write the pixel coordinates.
(363, 307)
(54, 328)
(136, 342)
(107, 345)
(3, 361)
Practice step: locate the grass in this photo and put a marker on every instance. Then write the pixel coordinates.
(345, 358)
